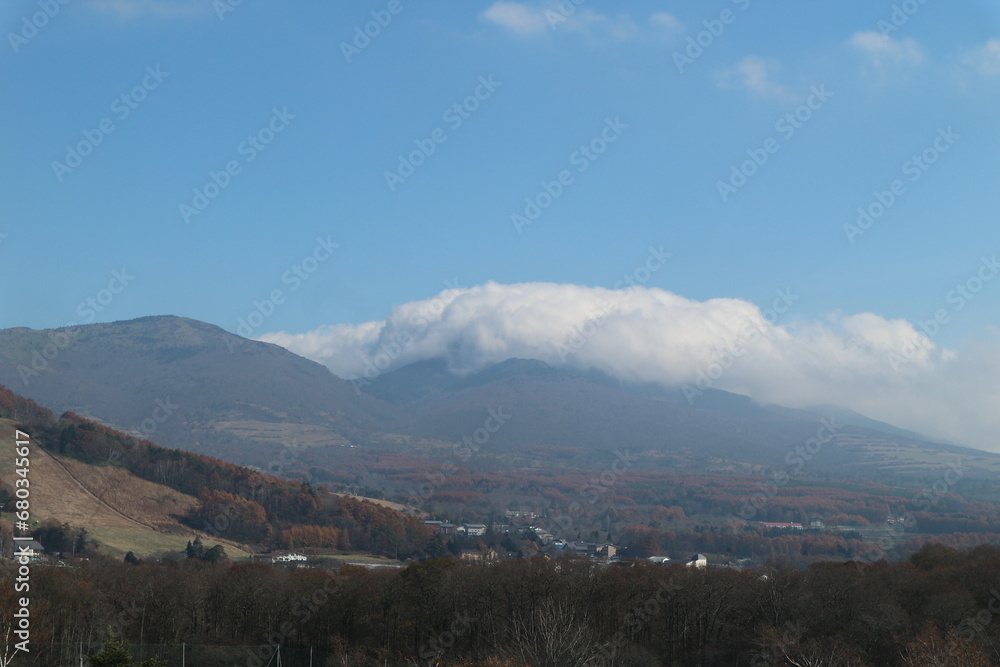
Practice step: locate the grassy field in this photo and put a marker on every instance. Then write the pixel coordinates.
(377, 501)
(914, 457)
(122, 512)
(118, 541)
(357, 559)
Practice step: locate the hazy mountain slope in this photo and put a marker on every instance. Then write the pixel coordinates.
(853, 418)
(412, 382)
(550, 406)
(188, 384)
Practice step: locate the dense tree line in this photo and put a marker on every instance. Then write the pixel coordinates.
(937, 608)
(24, 411)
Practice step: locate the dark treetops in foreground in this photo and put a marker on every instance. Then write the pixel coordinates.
(937, 608)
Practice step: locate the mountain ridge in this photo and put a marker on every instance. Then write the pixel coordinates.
(193, 385)
(121, 373)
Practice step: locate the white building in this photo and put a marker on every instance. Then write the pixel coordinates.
(281, 557)
(698, 561)
(289, 557)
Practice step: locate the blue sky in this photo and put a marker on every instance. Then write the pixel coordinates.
(874, 84)
(324, 175)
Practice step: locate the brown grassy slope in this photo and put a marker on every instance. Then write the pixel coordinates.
(55, 494)
(122, 511)
(147, 503)
(399, 507)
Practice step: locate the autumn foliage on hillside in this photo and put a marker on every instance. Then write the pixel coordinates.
(23, 410)
(234, 502)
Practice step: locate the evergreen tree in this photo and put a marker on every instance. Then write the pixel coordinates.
(195, 549)
(116, 654)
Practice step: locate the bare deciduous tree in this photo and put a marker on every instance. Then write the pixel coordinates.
(930, 649)
(555, 634)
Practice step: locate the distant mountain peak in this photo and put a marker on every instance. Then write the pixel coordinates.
(228, 392)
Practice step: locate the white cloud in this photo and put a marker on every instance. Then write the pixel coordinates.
(591, 24)
(756, 74)
(986, 59)
(882, 51)
(517, 17)
(651, 335)
(130, 9)
(530, 19)
(666, 24)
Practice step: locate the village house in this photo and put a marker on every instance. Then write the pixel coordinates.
(698, 561)
(474, 556)
(441, 527)
(474, 529)
(784, 526)
(543, 535)
(593, 550)
(33, 549)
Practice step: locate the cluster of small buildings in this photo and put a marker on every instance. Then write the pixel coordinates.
(280, 557)
(543, 536)
(593, 550)
(813, 523)
(474, 556)
(445, 528)
(545, 539)
(698, 561)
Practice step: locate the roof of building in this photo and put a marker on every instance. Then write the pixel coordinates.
(778, 524)
(33, 545)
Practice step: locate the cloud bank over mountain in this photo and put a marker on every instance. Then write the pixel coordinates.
(887, 369)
